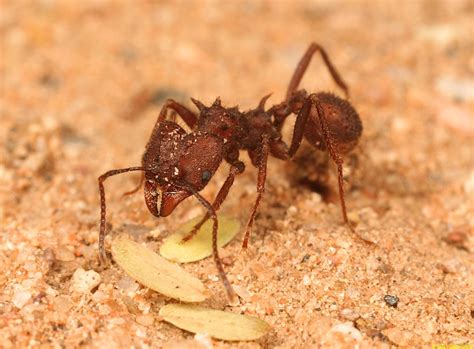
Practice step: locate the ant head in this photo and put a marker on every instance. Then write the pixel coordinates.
(159, 161)
(181, 172)
(343, 122)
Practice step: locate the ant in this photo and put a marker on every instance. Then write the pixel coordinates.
(178, 164)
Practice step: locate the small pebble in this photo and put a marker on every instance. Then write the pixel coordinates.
(127, 285)
(305, 258)
(391, 300)
(62, 303)
(21, 297)
(64, 255)
(227, 261)
(291, 210)
(451, 266)
(460, 89)
(349, 314)
(242, 292)
(306, 280)
(88, 252)
(398, 336)
(99, 296)
(440, 34)
(456, 117)
(269, 310)
(468, 185)
(84, 281)
(456, 238)
(347, 328)
(145, 319)
(203, 340)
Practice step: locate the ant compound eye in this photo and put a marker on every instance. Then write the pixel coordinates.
(206, 176)
(224, 127)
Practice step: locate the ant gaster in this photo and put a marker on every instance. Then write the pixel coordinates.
(178, 164)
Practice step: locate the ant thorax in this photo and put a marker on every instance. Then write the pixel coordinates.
(224, 123)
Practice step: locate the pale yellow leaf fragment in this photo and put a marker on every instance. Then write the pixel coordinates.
(155, 272)
(215, 323)
(200, 246)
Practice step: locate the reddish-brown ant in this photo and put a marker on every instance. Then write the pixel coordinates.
(178, 164)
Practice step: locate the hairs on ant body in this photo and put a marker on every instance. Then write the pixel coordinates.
(178, 164)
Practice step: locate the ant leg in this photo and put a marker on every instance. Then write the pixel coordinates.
(221, 195)
(332, 149)
(279, 149)
(102, 231)
(137, 188)
(187, 115)
(262, 174)
(303, 65)
(215, 253)
(299, 128)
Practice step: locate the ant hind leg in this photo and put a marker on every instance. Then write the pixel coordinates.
(332, 148)
(303, 65)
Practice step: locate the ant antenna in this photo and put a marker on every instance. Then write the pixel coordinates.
(102, 255)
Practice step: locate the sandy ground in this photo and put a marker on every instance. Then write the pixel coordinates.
(70, 72)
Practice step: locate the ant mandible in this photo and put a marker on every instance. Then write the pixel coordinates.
(178, 164)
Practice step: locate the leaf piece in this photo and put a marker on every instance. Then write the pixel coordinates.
(216, 323)
(155, 272)
(200, 246)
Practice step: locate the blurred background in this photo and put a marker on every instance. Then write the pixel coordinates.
(82, 83)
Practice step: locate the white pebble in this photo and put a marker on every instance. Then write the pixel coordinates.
(84, 281)
(145, 319)
(242, 292)
(349, 314)
(204, 340)
(291, 210)
(468, 185)
(306, 280)
(21, 297)
(462, 89)
(128, 285)
(346, 328)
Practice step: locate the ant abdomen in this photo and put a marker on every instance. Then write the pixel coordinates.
(343, 122)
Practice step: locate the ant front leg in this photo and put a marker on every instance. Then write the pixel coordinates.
(221, 196)
(262, 175)
(303, 65)
(212, 214)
